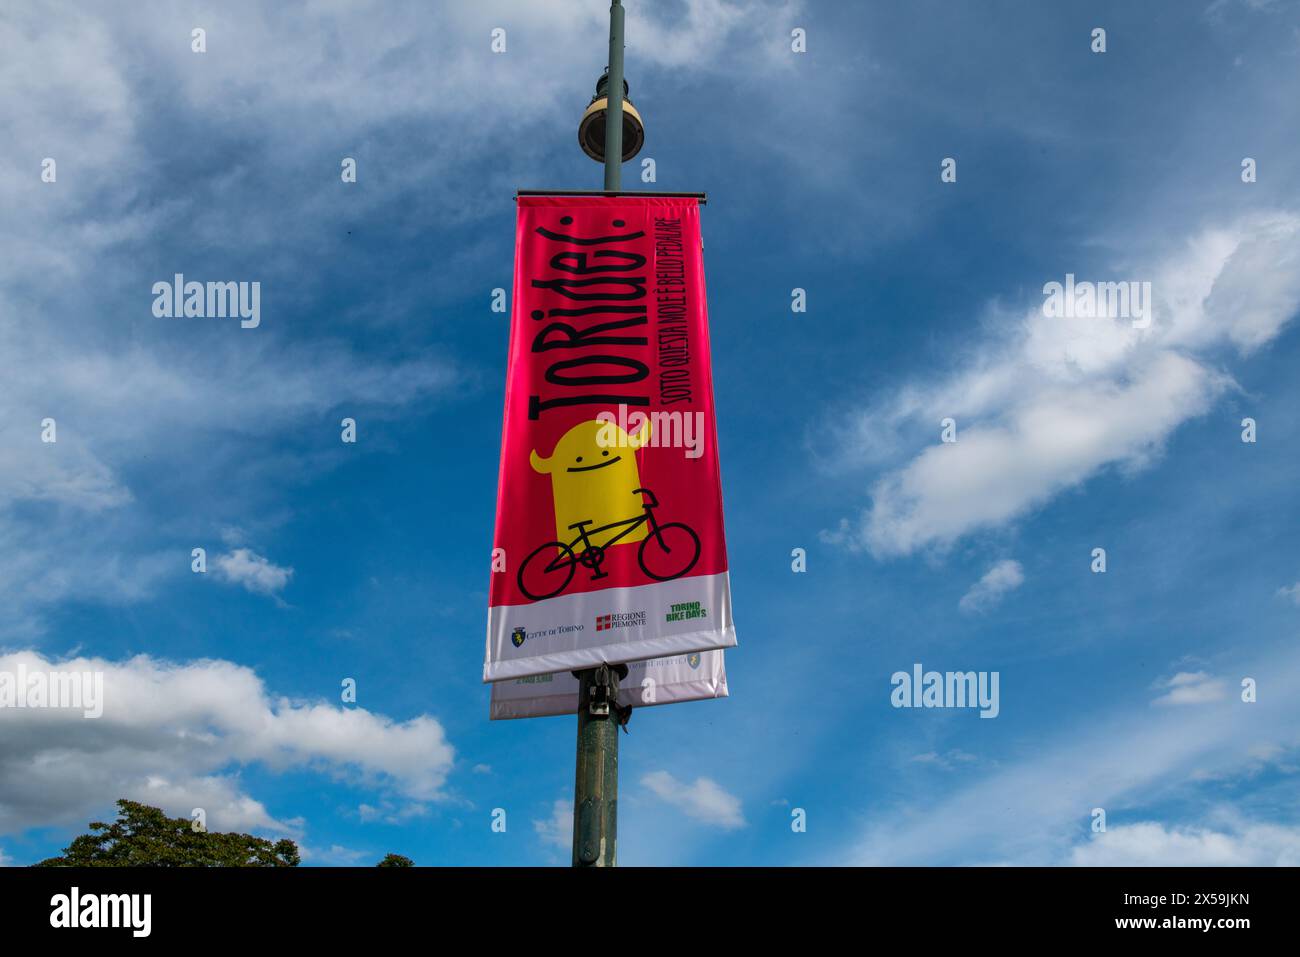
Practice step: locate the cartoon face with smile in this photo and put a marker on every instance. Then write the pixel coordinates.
(594, 474)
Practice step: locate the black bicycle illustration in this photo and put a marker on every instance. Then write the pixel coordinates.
(669, 550)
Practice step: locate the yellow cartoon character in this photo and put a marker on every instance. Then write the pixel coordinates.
(594, 478)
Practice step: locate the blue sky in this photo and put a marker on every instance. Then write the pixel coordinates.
(370, 561)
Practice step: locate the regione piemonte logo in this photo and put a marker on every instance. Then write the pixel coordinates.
(627, 619)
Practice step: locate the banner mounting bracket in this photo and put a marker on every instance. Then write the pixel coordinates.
(703, 198)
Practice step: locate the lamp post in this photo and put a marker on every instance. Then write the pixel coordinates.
(599, 138)
(595, 787)
(614, 93)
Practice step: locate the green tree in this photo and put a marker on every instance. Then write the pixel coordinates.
(143, 836)
(396, 860)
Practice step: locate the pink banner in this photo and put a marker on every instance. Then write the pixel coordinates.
(609, 541)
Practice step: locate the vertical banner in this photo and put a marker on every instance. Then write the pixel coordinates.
(609, 542)
(690, 677)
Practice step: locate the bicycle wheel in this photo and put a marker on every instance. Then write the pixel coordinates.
(544, 574)
(670, 552)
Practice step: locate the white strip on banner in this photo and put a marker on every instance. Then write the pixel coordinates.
(563, 634)
(692, 677)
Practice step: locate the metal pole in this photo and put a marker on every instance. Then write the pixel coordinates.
(614, 106)
(595, 785)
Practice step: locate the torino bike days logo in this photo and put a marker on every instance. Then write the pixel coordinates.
(950, 689)
(685, 611)
(57, 690)
(213, 300)
(1098, 300)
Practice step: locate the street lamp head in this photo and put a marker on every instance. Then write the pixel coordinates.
(591, 131)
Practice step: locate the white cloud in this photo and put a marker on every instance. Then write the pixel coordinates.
(704, 800)
(693, 38)
(175, 735)
(137, 399)
(392, 812)
(1005, 576)
(556, 830)
(1032, 810)
(1291, 592)
(336, 855)
(946, 762)
(78, 93)
(1053, 402)
(1190, 687)
(1219, 9)
(70, 523)
(254, 572)
(1152, 844)
(42, 564)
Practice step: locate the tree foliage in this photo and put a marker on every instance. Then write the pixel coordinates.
(396, 860)
(143, 836)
